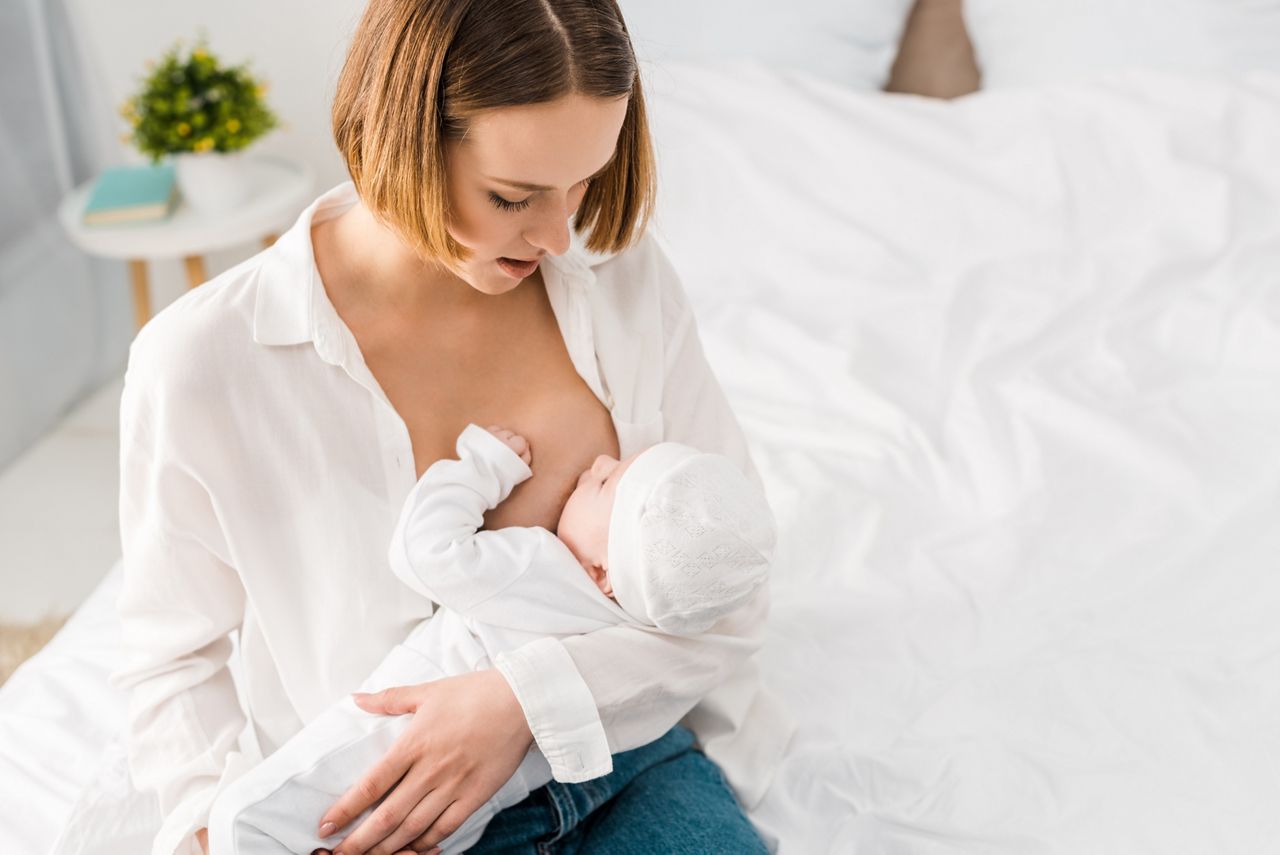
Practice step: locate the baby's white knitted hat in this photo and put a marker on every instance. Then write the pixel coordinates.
(690, 539)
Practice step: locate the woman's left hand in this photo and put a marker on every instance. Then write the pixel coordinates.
(467, 737)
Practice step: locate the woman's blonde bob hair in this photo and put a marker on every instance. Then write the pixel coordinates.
(418, 70)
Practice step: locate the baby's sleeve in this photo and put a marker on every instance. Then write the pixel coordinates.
(437, 548)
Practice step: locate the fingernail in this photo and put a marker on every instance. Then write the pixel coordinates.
(327, 829)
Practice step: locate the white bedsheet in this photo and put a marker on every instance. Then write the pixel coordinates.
(1011, 369)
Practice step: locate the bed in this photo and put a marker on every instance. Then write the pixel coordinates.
(1010, 366)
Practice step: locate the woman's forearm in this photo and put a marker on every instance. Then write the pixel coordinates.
(587, 697)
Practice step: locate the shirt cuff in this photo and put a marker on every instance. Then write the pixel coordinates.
(177, 832)
(561, 712)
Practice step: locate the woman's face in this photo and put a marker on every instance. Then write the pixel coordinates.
(552, 149)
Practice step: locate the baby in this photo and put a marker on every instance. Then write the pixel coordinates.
(670, 538)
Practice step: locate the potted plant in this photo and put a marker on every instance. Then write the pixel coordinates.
(203, 115)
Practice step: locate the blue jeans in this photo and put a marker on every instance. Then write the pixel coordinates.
(662, 797)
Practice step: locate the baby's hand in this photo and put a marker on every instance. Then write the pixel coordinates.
(513, 441)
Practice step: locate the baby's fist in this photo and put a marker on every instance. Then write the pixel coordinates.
(513, 441)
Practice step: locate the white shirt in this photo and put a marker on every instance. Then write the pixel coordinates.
(262, 470)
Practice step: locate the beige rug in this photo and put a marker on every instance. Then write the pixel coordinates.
(20, 641)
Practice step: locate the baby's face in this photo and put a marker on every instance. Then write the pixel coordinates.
(584, 522)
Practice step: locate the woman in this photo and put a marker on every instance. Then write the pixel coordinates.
(274, 420)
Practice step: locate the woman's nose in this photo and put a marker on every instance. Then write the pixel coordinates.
(551, 232)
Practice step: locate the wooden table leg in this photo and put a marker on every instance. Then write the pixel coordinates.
(195, 270)
(141, 291)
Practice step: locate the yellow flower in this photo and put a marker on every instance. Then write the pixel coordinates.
(261, 89)
(183, 129)
(233, 125)
(204, 144)
(199, 53)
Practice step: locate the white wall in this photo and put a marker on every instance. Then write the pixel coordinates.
(67, 319)
(296, 46)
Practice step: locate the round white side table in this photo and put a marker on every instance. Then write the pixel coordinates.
(282, 188)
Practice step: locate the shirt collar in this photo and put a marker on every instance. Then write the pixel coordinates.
(291, 306)
(284, 310)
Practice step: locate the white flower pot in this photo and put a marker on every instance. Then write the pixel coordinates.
(213, 182)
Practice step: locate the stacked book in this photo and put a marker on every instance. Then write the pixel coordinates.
(131, 194)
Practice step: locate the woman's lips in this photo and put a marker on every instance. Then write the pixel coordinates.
(517, 269)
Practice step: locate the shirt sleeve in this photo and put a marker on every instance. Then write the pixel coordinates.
(589, 696)
(436, 548)
(179, 602)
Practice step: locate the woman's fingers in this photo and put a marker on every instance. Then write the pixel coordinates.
(417, 823)
(448, 822)
(380, 778)
(398, 700)
(383, 831)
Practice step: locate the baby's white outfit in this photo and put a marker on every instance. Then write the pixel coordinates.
(498, 589)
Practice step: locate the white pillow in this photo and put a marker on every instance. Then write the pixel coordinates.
(853, 42)
(1033, 42)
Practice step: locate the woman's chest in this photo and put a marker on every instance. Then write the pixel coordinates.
(512, 372)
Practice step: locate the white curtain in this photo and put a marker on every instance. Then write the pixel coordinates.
(65, 319)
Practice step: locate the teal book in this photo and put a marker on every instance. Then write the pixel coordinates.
(131, 194)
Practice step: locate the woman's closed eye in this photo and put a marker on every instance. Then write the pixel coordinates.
(508, 205)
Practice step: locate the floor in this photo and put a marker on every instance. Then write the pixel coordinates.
(59, 533)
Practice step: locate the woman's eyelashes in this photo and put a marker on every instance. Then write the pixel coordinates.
(508, 205)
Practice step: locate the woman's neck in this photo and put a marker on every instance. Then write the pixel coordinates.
(380, 274)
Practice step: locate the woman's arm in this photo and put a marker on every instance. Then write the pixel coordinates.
(179, 602)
